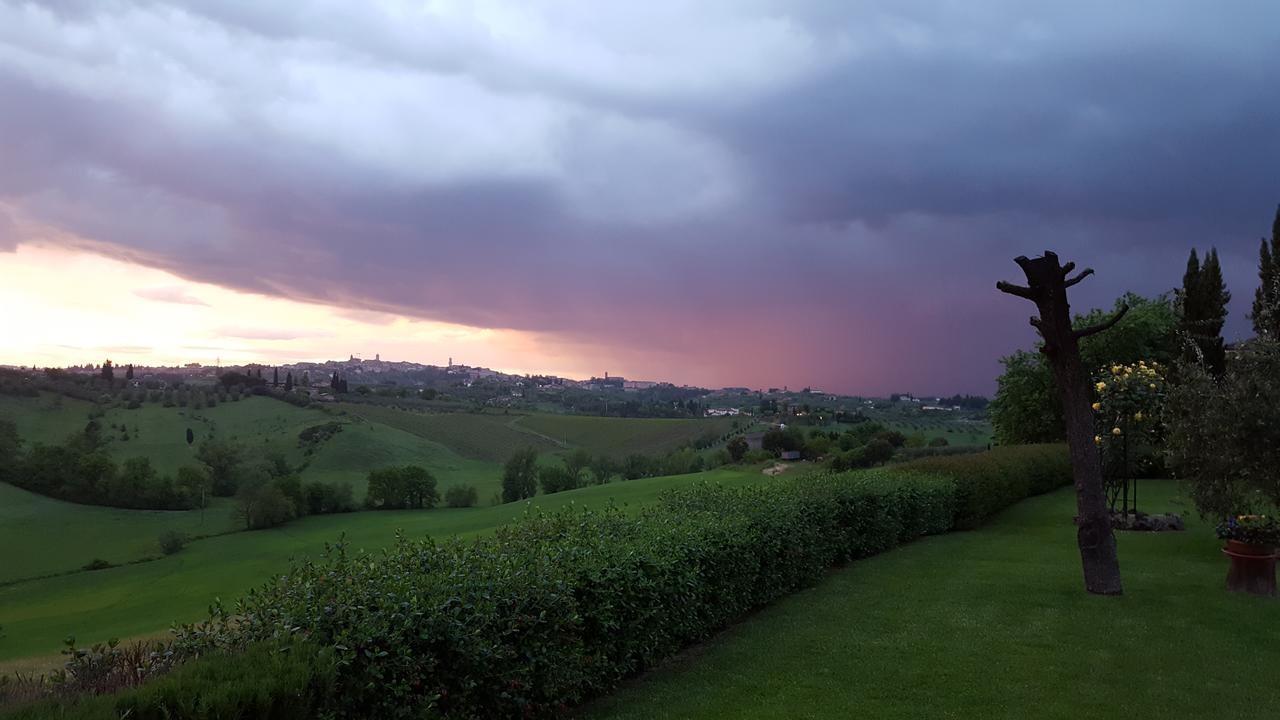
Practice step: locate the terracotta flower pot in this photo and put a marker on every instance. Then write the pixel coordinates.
(1253, 568)
(1235, 547)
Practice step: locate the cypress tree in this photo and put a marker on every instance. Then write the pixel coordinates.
(1215, 298)
(1266, 301)
(275, 377)
(288, 382)
(1204, 299)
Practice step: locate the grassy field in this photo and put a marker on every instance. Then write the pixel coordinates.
(259, 424)
(990, 624)
(42, 536)
(142, 599)
(619, 437)
(477, 436)
(49, 418)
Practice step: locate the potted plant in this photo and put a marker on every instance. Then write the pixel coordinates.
(1223, 442)
(1251, 546)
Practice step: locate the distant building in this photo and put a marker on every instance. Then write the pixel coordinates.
(790, 455)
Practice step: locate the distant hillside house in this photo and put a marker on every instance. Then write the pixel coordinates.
(790, 455)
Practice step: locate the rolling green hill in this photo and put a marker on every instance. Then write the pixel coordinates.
(43, 536)
(259, 424)
(478, 436)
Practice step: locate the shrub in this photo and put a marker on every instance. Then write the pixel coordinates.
(171, 541)
(554, 479)
(989, 482)
(1224, 433)
(460, 496)
(96, 564)
(324, 498)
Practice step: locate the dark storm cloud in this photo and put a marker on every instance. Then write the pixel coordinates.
(812, 193)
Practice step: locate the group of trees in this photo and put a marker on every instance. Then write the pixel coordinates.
(79, 470)
(523, 475)
(1026, 408)
(402, 488)
(1183, 325)
(268, 491)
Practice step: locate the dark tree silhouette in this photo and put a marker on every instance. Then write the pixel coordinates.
(128, 373)
(288, 382)
(275, 377)
(1047, 284)
(1202, 309)
(1266, 302)
(108, 372)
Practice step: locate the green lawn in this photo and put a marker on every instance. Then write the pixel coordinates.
(619, 437)
(990, 624)
(143, 599)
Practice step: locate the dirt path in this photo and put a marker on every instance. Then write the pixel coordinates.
(515, 425)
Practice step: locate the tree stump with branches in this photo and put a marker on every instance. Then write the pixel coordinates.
(1047, 283)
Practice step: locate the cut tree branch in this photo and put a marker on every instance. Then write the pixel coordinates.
(1066, 269)
(1095, 329)
(1076, 280)
(1022, 292)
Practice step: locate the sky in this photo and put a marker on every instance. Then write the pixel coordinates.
(732, 192)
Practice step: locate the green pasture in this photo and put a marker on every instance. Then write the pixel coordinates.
(618, 437)
(43, 536)
(488, 437)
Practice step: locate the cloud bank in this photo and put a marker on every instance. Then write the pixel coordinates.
(758, 193)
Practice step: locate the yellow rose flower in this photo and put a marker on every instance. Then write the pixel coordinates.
(1115, 369)
(1116, 431)
(1097, 407)
(1101, 386)
(1152, 386)
(1097, 439)
(1137, 416)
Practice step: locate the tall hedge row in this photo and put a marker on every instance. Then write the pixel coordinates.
(989, 482)
(560, 607)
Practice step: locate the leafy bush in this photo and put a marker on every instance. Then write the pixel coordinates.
(1224, 433)
(989, 482)
(324, 498)
(460, 496)
(97, 564)
(554, 479)
(171, 541)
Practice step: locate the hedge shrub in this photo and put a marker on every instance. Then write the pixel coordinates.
(559, 607)
(989, 482)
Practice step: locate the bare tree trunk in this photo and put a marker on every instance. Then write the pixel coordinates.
(1047, 285)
